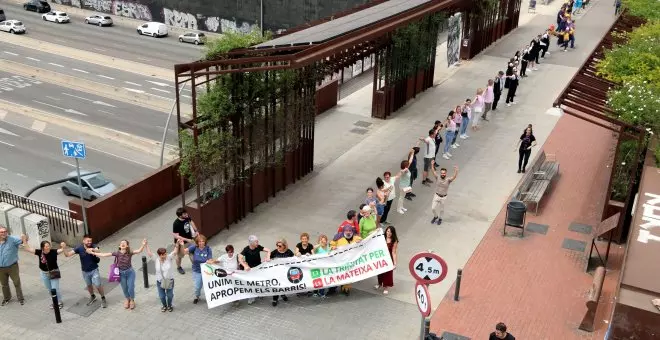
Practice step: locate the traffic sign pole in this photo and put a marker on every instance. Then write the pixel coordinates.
(427, 268)
(82, 200)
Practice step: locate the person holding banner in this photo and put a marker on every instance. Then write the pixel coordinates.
(282, 251)
(368, 223)
(345, 238)
(228, 262)
(322, 248)
(386, 280)
(200, 253)
(251, 256)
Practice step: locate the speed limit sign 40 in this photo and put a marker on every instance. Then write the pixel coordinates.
(423, 299)
(428, 268)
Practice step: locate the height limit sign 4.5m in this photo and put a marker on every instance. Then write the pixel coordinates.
(428, 268)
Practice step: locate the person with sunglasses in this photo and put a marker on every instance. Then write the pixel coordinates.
(282, 251)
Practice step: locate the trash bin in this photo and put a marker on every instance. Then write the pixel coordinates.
(515, 215)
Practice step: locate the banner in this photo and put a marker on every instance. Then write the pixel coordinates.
(454, 39)
(348, 264)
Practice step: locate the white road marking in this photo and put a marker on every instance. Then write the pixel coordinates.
(33, 59)
(58, 65)
(53, 98)
(99, 49)
(106, 77)
(5, 143)
(3, 169)
(42, 103)
(69, 164)
(38, 126)
(11, 53)
(61, 108)
(60, 40)
(7, 132)
(110, 113)
(161, 90)
(183, 95)
(132, 83)
(70, 95)
(143, 59)
(97, 102)
(159, 83)
(78, 70)
(161, 97)
(133, 90)
(20, 175)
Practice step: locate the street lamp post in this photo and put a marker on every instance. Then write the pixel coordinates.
(167, 126)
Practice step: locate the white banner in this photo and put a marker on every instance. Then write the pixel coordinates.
(348, 264)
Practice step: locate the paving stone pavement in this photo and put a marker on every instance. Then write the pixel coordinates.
(317, 204)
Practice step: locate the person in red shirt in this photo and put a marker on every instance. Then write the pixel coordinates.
(351, 219)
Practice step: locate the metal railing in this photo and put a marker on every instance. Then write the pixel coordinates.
(60, 219)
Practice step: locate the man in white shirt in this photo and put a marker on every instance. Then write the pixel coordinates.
(429, 156)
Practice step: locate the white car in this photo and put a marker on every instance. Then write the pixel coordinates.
(12, 26)
(154, 29)
(56, 16)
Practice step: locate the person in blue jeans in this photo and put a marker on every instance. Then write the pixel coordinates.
(48, 265)
(450, 131)
(201, 253)
(123, 257)
(164, 275)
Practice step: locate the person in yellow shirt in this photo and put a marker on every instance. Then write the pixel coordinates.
(346, 237)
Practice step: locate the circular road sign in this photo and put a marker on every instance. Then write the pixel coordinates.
(428, 268)
(423, 299)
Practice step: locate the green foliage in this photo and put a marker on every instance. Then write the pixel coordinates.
(215, 48)
(637, 103)
(624, 170)
(647, 9)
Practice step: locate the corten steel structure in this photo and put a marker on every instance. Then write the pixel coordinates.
(262, 168)
(585, 97)
(483, 26)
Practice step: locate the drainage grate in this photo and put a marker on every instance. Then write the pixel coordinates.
(452, 336)
(580, 228)
(359, 131)
(537, 228)
(362, 123)
(576, 245)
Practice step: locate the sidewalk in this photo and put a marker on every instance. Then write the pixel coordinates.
(347, 139)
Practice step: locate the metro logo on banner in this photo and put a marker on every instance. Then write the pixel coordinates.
(352, 263)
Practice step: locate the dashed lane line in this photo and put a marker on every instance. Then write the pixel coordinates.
(58, 65)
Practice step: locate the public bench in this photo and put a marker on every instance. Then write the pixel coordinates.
(587, 323)
(537, 180)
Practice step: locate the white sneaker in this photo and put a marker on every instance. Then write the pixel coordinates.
(547, 53)
(466, 136)
(530, 69)
(444, 155)
(514, 103)
(462, 136)
(401, 212)
(457, 145)
(508, 104)
(404, 209)
(448, 154)
(454, 146)
(536, 69)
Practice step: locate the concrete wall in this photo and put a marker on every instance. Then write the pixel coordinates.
(219, 15)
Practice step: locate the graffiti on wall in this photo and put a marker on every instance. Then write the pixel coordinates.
(131, 10)
(454, 39)
(175, 18)
(43, 229)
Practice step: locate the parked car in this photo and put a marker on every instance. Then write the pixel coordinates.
(56, 16)
(94, 185)
(2, 15)
(193, 38)
(38, 6)
(154, 29)
(99, 19)
(12, 26)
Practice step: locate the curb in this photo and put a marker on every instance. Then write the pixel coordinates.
(123, 138)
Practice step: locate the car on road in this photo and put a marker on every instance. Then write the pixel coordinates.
(38, 6)
(99, 19)
(12, 26)
(154, 29)
(94, 185)
(3, 17)
(193, 38)
(56, 16)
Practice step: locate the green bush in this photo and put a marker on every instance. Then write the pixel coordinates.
(215, 48)
(647, 9)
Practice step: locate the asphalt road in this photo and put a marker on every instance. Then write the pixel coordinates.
(30, 158)
(82, 106)
(100, 74)
(115, 41)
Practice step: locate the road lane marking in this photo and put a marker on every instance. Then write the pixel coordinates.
(53, 98)
(33, 59)
(159, 83)
(11, 53)
(160, 90)
(110, 113)
(5, 143)
(4, 169)
(7, 132)
(183, 95)
(132, 83)
(61, 108)
(38, 126)
(143, 59)
(20, 175)
(99, 49)
(106, 77)
(70, 95)
(69, 164)
(78, 70)
(133, 90)
(58, 65)
(161, 97)
(97, 102)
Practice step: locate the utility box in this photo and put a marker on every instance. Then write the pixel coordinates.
(4, 209)
(37, 228)
(15, 220)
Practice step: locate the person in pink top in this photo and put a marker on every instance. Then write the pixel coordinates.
(458, 119)
(450, 131)
(489, 97)
(478, 108)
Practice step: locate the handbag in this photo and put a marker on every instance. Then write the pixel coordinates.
(113, 275)
(52, 274)
(165, 283)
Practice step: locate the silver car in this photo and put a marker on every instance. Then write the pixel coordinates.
(193, 38)
(94, 186)
(12, 26)
(99, 19)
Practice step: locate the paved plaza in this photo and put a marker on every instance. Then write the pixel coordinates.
(351, 150)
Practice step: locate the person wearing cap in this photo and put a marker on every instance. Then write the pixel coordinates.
(251, 256)
(351, 220)
(368, 221)
(346, 237)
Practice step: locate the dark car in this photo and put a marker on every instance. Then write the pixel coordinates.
(37, 6)
(2, 15)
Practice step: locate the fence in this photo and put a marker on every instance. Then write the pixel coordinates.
(63, 226)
